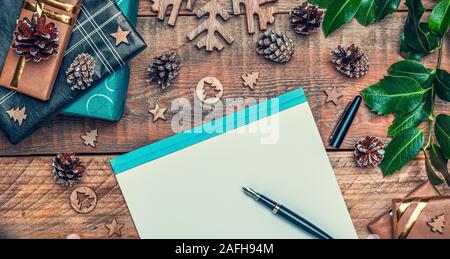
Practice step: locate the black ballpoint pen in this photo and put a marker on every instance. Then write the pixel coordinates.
(287, 214)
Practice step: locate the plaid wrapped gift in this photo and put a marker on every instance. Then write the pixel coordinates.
(91, 35)
(106, 101)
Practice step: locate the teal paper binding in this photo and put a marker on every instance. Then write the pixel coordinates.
(191, 137)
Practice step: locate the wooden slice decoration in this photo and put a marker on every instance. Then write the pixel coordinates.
(205, 86)
(83, 200)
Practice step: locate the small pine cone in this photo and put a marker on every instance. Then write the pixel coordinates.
(35, 39)
(351, 62)
(67, 169)
(80, 74)
(275, 46)
(164, 69)
(306, 18)
(369, 152)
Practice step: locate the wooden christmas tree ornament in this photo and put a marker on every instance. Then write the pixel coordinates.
(250, 79)
(211, 25)
(437, 223)
(90, 138)
(18, 115)
(161, 6)
(254, 7)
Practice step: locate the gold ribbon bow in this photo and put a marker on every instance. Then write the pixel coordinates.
(421, 204)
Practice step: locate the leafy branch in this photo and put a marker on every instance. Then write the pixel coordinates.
(410, 90)
(340, 12)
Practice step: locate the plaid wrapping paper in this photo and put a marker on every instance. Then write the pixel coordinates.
(106, 101)
(91, 35)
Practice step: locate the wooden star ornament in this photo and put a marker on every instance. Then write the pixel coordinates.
(333, 95)
(114, 228)
(121, 36)
(158, 113)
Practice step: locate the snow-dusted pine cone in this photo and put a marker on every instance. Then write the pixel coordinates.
(275, 46)
(369, 152)
(351, 61)
(80, 74)
(164, 69)
(36, 39)
(306, 18)
(67, 169)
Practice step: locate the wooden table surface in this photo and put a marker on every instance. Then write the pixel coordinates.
(33, 206)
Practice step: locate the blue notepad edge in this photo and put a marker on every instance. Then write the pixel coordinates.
(196, 135)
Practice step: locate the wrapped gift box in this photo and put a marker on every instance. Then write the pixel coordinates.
(21, 115)
(106, 101)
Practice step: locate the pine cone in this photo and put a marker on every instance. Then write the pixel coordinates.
(369, 152)
(67, 169)
(306, 18)
(36, 40)
(275, 46)
(351, 61)
(80, 74)
(164, 69)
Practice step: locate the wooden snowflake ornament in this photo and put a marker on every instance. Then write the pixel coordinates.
(254, 7)
(211, 25)
(161, 6)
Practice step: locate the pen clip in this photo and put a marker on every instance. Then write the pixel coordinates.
(338, 123)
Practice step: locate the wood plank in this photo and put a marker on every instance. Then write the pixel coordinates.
(284, 6)
(309, 68)
(32, 206)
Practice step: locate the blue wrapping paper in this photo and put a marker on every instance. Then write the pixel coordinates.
(106, 101)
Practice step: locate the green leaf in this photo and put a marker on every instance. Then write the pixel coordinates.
(385, 7)
(432, 176)
(433, 40)
(407, 52)
(414, 36)
(440, 18)
(439, 162)
(407, 121)
(442, 84)
(339, 12)
(442, 132)
(366, 13)
(402, 149)
(410, 68)
(394, 94)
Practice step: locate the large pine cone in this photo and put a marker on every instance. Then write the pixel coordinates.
(352, 62)
(36, 40)
(164, 69)
(306, 18)
(369, 152)
(67, 169)
(80, 74)
(275, 46)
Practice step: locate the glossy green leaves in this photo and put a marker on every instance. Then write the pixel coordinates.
(402, 149)
(338, 13)
(417, 40)
(440, 18)
(394, 95)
